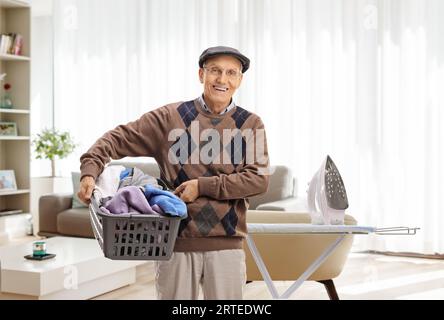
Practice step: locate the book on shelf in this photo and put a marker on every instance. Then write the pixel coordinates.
(11, 43)
(7, 212)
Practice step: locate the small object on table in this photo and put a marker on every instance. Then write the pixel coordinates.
(39, 258)
(38, 248)
(39, 251)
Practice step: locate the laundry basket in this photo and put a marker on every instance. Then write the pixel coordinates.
(133, 236)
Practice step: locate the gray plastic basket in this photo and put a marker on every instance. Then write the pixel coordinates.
(133, 236)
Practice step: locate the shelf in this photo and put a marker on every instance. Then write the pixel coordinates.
(13, 57)
(23, 111)
(14, 192)
(12, 214)
(14, 138)
(14, 3)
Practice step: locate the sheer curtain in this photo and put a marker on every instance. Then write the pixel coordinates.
(358, 80)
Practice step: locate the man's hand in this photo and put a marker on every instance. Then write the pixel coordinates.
(188, 191)
(86, 188)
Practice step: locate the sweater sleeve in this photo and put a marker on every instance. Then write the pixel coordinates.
(251, 180)
(142, 137)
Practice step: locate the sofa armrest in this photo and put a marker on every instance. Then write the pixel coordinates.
(288, 204)
(50, 205)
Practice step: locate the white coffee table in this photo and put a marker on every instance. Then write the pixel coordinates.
(79, 271)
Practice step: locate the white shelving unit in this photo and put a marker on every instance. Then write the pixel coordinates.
(15, 17)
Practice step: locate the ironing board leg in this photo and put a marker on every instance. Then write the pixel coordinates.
(307, 273)
(262, 268)
(312, 268)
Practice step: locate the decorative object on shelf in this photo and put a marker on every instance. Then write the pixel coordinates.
(7, 181)
(17, 45)
(11, 43)
(6, 101)
(51, 143)
(8, 128)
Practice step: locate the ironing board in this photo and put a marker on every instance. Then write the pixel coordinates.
(303, 228)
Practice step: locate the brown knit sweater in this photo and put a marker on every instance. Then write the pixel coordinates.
(217, 218)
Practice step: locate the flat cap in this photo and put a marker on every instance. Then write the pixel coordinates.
(215, 51)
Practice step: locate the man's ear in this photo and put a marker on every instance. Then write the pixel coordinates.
(240, 80)
(201, 75)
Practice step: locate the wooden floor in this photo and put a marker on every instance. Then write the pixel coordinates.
(365, 276)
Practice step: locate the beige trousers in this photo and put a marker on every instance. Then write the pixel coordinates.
(222, 275)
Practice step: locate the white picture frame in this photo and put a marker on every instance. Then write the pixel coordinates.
(7, 181)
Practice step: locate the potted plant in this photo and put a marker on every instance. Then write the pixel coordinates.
(51, 143)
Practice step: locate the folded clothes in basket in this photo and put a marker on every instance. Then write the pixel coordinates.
(116, 176)
(145, 200)
(129, 199)
(136, 177)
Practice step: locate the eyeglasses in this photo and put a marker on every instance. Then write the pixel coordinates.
(217, 72)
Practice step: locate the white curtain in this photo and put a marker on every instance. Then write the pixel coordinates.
(358, 80)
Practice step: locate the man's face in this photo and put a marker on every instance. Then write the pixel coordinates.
(219, 86)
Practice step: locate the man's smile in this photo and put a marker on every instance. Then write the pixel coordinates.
(220, 88)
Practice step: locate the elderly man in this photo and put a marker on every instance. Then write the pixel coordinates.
(213, 174)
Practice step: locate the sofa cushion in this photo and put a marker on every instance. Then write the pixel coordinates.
(291, 204)
(75, 222)
(76, 203)
(281, 186)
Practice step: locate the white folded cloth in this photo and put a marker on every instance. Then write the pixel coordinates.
(108, 182)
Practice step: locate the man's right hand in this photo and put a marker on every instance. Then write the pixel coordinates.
(87, 185)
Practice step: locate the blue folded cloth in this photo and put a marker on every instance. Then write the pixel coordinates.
(166, 200)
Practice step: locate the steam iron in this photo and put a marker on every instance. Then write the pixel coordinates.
(327, 198)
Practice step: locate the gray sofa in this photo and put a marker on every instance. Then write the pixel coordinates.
(57, 217)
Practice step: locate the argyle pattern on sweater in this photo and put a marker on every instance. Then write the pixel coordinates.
(212, 213)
